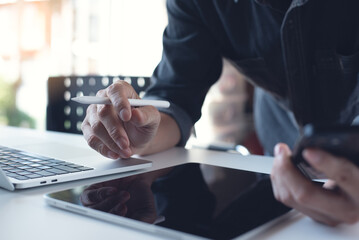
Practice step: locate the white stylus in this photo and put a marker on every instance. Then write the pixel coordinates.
(133, 102)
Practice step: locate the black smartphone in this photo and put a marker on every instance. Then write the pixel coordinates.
(342, 141)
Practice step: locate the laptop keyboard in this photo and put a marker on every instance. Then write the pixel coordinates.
(24, 165)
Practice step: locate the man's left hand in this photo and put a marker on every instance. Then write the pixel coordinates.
(337, 201)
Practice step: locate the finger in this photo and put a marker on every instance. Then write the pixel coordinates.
(118, 93)
(114, 127)
(299, 190)
(123, 197)
(281, 171)
(291, 187)
(341, 170)
(145, 116)
(106, 205)
(282, 188)
(113, 124)
(94, 196)
(100, 131)
(120, 210)
(95, 134)
(97, 144)
(317, 216)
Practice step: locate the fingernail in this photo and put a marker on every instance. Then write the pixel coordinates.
(278, 149)
(128, 152)
(124, 114)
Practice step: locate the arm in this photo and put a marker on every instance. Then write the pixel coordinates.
(191, 63)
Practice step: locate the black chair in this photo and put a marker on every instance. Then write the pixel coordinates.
(64, 115)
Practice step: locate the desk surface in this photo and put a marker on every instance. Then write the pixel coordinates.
(24, 214)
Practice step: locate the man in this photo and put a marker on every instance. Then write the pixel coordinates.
(303, 58)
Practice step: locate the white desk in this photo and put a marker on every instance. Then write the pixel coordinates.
(24, 214)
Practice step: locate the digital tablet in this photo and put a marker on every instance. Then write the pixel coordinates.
(189, 201)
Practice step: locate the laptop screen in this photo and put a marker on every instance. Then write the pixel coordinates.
(196, 199)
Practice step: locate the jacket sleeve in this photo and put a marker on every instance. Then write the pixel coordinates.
(190, 64)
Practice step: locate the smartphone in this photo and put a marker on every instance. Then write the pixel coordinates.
(341, 141)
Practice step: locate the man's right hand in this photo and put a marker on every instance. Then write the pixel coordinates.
(118, 130)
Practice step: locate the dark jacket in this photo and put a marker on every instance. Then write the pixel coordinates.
(305, 53)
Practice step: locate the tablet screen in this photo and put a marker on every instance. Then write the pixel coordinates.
(196, 199)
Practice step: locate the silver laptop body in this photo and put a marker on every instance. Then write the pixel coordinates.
(95, 164)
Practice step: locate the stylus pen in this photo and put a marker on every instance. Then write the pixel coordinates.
(133, 102)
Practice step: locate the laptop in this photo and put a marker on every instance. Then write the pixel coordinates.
(34, 161)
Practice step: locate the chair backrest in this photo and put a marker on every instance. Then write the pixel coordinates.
(64, 115)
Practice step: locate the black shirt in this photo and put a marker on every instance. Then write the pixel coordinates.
(303, 54)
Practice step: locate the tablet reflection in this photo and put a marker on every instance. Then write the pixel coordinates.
(130, 197)
(183, 199)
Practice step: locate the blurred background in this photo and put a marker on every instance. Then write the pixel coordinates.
(42, 38)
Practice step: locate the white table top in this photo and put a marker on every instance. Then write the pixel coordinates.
(25, 215)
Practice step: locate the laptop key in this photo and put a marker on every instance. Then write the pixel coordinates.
(26, 162)
(5, 161)
(22, 173)
(73, 165)
(57, 171)
(51, 164)
(35, 165)
(21, 177)
(56, 161)
(24, 167)
(13, 175)
(36, 160)
(44, 162)
(33, 176)
(16, 170)
(44, 167)
(33, 170)
(45, 173)
(7, 168)
(67, 169)
(26, 158)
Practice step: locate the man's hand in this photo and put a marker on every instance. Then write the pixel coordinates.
(118, 130)
(337, 201)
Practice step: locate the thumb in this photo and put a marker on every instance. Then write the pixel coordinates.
(282, 150)
(145, 116)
